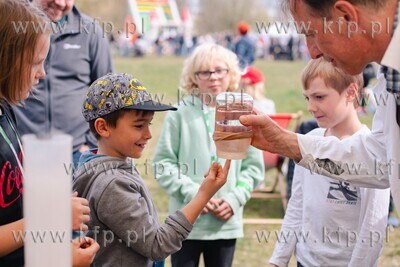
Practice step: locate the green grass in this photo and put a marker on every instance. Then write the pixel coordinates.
(282, 82)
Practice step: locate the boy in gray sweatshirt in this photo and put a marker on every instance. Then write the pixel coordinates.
(124, 220)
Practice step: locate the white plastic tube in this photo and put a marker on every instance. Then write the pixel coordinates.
(47, 200)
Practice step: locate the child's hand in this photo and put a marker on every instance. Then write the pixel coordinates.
(211, 205)
(269, 136)
(80, 212)
(223, 211)
(215, 178)
(83, 251)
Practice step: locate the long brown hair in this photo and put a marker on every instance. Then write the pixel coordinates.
(21, 26)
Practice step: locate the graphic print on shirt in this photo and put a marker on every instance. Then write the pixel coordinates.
(342, 193)
(10, 184)
(10, 173)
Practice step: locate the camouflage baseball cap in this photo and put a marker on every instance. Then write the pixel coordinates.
(116, 91)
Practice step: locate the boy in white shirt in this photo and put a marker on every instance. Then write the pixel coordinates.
(342, 225)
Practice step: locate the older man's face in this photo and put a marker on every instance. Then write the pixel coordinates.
(56, 9)
(329, 38)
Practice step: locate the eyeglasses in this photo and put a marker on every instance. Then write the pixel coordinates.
(206, 74)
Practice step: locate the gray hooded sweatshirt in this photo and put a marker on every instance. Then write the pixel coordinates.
(124, 220)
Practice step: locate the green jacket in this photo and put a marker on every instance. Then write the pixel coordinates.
(183, 156)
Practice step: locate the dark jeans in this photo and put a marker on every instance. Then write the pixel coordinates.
(216, 253)
(299, 264)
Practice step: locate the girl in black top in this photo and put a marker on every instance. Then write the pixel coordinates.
(22, 55)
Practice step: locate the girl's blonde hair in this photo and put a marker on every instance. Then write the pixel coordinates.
(203, 57)
(21, 26)
(333, 77)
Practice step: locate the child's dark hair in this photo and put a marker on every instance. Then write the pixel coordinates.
(113, 117)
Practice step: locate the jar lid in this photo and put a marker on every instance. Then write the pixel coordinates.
(227, 98)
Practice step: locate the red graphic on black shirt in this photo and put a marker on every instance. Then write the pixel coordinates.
(10, 183)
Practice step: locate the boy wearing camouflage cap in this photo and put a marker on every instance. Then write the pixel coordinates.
(123, 217)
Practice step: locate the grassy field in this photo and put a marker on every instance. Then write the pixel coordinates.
(161, 76)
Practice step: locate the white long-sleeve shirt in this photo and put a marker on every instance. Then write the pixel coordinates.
(378, 152)
(332, 223)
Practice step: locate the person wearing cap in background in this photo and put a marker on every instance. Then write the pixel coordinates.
(252, 83)
(244, 47)
(124, 220)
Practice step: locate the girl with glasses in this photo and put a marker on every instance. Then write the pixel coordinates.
(186, 149)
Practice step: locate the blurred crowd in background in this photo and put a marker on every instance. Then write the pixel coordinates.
(171, 42)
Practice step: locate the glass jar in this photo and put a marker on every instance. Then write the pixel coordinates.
(232, 139)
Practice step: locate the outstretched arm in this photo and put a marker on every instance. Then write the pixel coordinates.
(359, 159)
(215, 178)
(250, 174)
(269, 136)
(135, 222)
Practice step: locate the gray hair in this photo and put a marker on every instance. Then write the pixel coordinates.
(323, 7)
